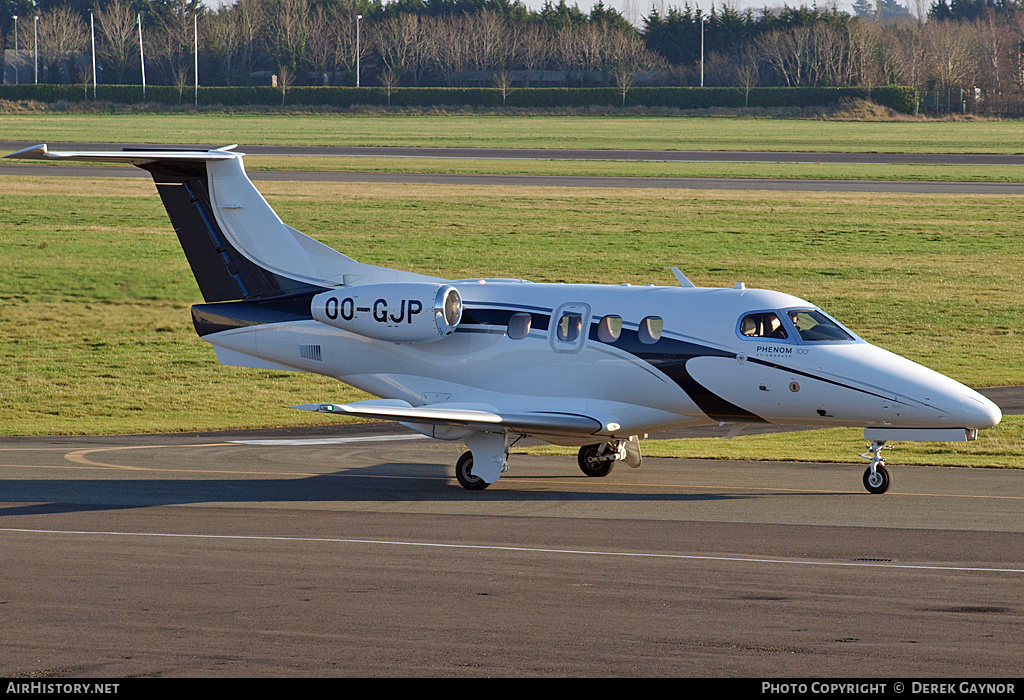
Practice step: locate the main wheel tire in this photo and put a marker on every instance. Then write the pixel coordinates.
(590, 462)
(464, 474)
(878, 482)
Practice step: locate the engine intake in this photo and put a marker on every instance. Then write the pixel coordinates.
(403, 312)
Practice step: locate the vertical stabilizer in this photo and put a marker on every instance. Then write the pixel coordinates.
(237, 246)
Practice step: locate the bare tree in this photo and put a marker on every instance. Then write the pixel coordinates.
(62, 33)
(397, 42)
(250, 18)
(951, 48)
(626, 57)
(451, 50)
(567, 51)
(172, 45)
(537, 49)
(994, 41)
(340, 36)
(486, 37)
(592, 42)
(389, 80)
(288, 25)
(223, 40)
(285, 79)
(747, 71)
(319, 50)
(118, 46)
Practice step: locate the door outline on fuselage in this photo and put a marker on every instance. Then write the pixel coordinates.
(563, 333)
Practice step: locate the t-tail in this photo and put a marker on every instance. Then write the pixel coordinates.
(237, 246)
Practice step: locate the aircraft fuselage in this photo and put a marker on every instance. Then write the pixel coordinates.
(701, 368)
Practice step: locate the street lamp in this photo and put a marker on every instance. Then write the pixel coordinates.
(36, 32)
(15, 49)
(358, 17)
(195, 37)
(92, 33)
(702, 51)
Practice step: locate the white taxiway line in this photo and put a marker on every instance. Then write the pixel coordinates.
(296, 442)
(531, 550)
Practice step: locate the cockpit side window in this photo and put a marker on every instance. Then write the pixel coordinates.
(763, 325)
(813, 325)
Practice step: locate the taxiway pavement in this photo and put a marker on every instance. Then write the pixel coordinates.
(351, 550)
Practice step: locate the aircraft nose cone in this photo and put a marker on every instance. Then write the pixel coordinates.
(978, 411)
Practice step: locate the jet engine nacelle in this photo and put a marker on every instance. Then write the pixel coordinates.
(403, 312)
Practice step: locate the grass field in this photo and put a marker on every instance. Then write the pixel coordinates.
(95, 333)
(499, 131)
(796, 171)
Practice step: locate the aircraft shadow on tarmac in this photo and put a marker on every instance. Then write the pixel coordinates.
(383, 483)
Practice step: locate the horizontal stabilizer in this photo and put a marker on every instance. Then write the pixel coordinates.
(476, 418)
(42, 151)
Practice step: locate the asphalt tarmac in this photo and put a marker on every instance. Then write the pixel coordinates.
(352, 551)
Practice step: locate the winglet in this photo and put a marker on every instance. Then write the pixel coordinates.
(39, 151)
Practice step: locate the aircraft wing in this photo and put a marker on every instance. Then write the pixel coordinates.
(476, 418)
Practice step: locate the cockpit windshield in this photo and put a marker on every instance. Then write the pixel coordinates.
(813, 325)
(810, 324)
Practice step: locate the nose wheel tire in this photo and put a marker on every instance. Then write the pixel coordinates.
(464, 474)
(877, 481)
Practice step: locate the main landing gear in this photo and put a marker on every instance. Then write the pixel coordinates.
(598, 460)
(876, 476)
(487, 458)
(464, 473)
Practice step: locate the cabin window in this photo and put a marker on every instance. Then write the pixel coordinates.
(813, 325)
(519, 326)
(610, 328)
(649, 331)
(570, 325)
(764, 325)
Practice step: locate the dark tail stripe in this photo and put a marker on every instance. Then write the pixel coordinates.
(223, 273)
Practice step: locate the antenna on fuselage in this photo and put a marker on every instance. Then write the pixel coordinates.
(683, 282)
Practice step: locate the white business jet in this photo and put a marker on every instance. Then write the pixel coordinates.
(488, 361)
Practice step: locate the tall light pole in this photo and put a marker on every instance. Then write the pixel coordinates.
(36, 32)
(142, 55)
(702, 51)
(357, 17)
(195, 36)
(92, 31)
(15, 49)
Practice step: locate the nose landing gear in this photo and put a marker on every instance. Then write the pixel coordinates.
(876, 476)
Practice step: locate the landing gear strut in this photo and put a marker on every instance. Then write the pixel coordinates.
(485, 461)
(876, 476)
(598, 460)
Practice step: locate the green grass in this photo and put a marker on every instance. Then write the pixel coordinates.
(501, 131)
(620, 168)
(95, 334)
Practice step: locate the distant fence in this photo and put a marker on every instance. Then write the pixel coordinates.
(901, 99)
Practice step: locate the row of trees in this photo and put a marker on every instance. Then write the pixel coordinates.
(502, 43)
